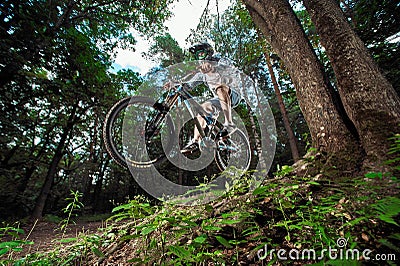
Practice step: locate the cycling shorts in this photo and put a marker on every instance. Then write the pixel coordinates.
(235, 100)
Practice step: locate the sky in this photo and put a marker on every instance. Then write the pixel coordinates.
(186, 15)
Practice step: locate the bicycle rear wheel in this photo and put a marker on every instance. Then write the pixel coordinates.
(124, 133)
(233, 151)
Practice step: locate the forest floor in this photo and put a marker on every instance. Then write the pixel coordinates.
(288, 212)
(46, 236)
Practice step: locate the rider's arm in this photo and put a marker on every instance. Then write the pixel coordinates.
(196, 80)
(192, 80)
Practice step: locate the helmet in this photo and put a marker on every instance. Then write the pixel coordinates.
(202, 51)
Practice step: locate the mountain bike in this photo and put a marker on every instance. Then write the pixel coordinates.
(150, 135)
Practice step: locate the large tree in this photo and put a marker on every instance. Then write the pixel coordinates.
(368, 98)
(330, 129)
(366, 106)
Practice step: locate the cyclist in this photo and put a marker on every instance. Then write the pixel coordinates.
(222, 86)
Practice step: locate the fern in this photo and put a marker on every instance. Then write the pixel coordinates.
(395, 150)
(387, 209)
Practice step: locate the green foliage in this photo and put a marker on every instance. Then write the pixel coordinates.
(283, 171)
(11, 242)
(137, 208)
(52, 218)
(395, 152)
(286, 212)
(73, 205)
(376, 22)
(55, 81)
(387, 209)
(166, 50)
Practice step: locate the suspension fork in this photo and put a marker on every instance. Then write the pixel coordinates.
(163, 108)
(195, 117)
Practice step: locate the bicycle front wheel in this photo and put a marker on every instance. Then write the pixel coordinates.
(125, 136)
(233, 151)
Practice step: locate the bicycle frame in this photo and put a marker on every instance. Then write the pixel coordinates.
(182, 92)
(193, 107)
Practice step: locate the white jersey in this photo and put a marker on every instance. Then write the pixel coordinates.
(221, 72)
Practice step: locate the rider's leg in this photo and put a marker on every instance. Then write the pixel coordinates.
(193, 144)
(222, 92)
(207, 106)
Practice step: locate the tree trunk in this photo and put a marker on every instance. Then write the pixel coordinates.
(58, 154)
(368, 98)
(30, 170)
(316, 97)
(98, 187)
(285, 118)
(26, 177)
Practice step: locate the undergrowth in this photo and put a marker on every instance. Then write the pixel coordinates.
(287, 220)
(288, 213)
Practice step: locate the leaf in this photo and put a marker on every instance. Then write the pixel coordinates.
(223, 241)
(190, 223)
(3, 251)
(354, 222)
(372, 175)
(10, 244)
(135, 260)
(121, 207)
(260, 190)
(169, 219)
(388, 208)
(229, 222)
(98, 252)
(67, 240)
(211, 228)
(348, 216)
(395, 236)
(200, 239)
(18, 230)
(120, 216)
(389, 244)
(364, 236)
(179, 251)
(148, 230)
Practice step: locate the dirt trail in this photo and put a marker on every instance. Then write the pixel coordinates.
(45, 235)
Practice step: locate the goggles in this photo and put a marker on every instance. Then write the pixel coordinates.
(201, 55)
